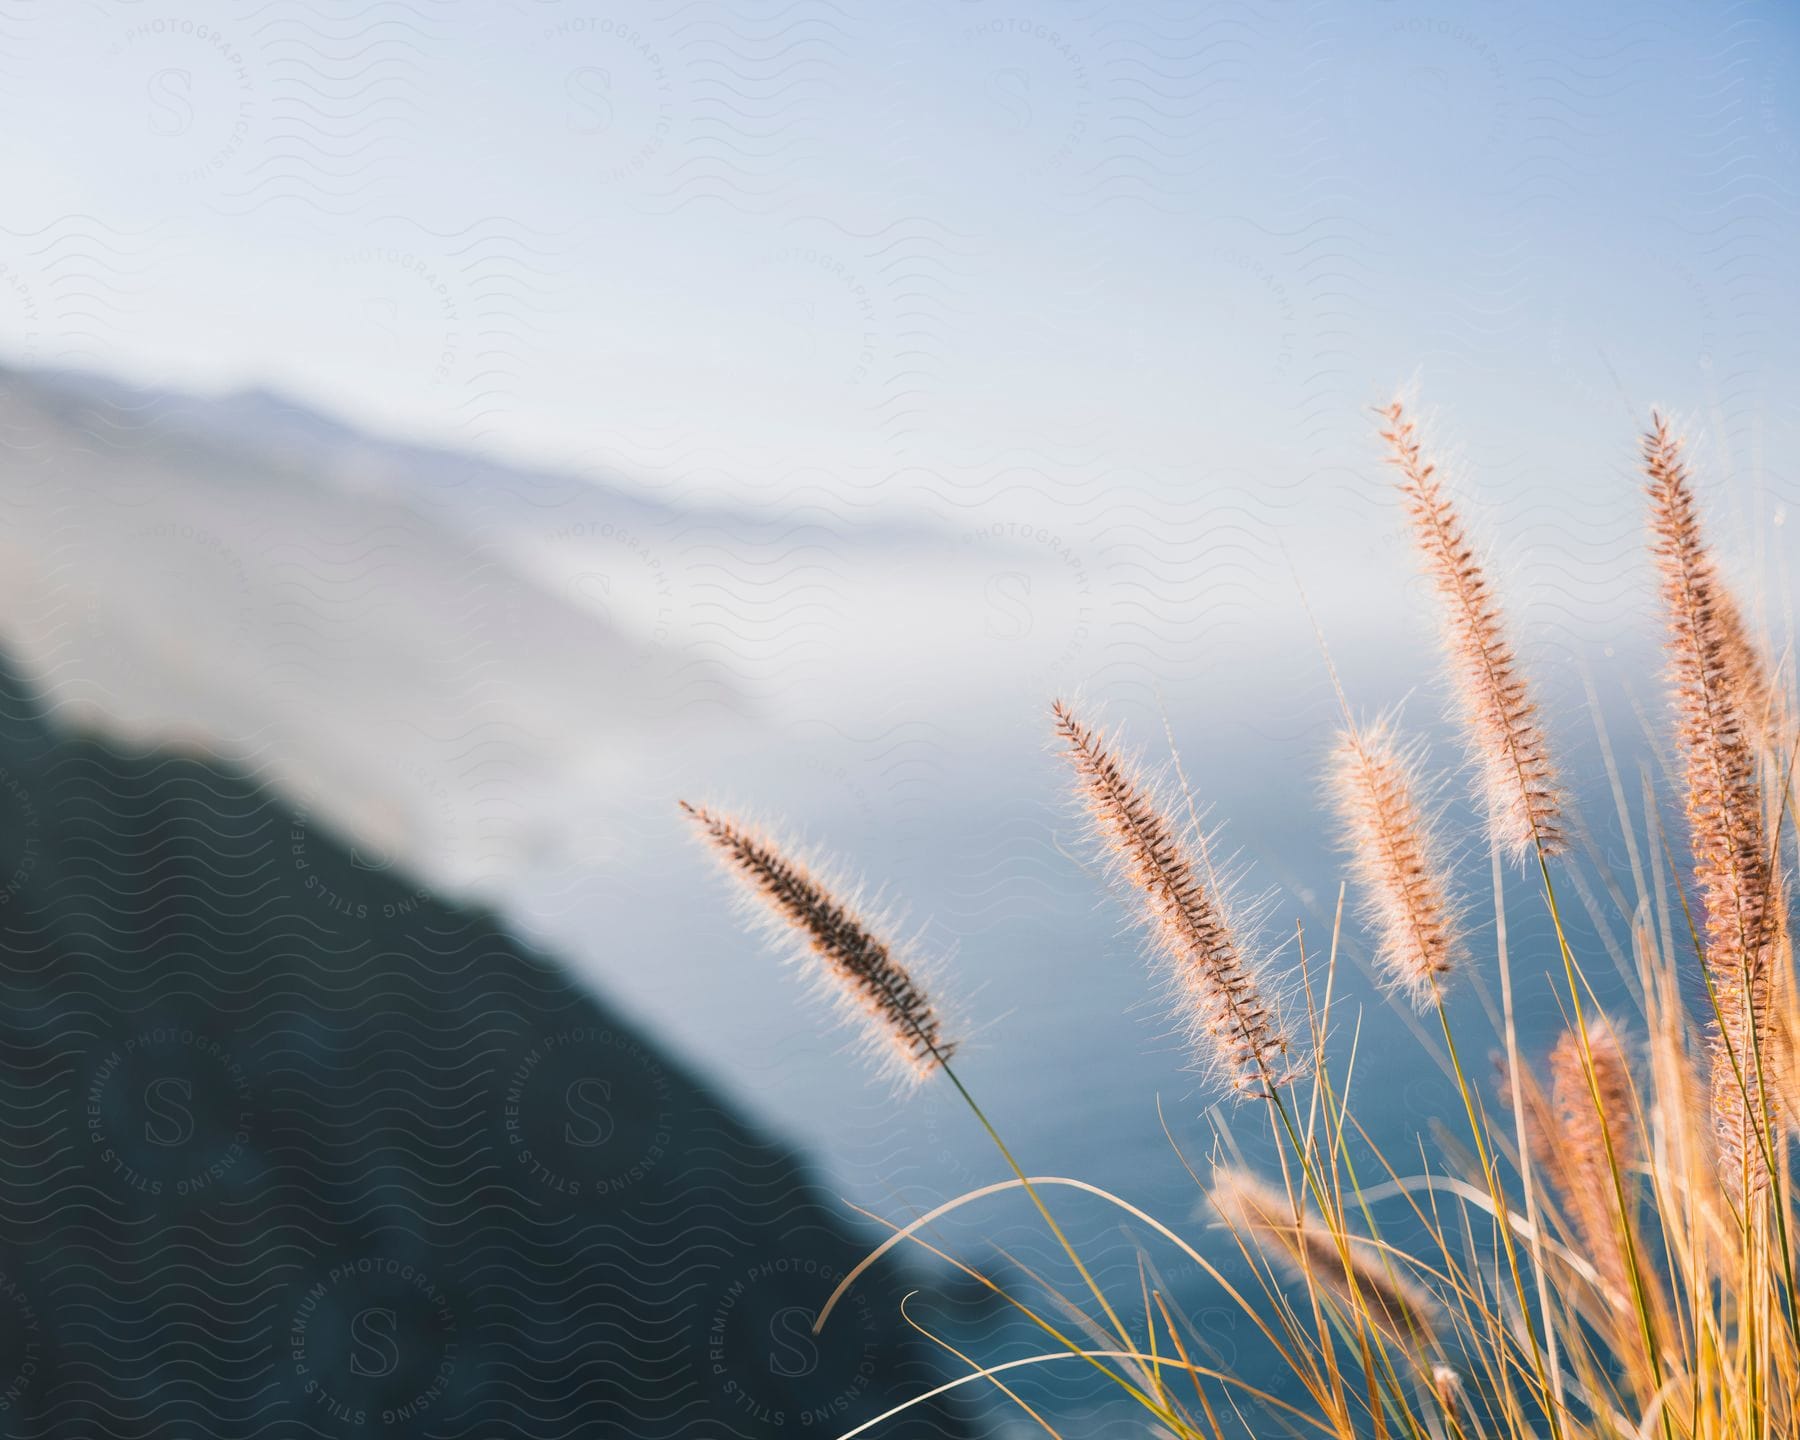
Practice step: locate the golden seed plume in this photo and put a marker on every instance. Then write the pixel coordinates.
(1540, 1123)
(1577, 1138)
(871, 983)
(1396, 862)
(1726, 834)
(1746, 672)
(1518, 783)
(1233, 1027)
(1256, 1211)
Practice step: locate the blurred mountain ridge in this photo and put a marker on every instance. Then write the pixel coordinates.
(453, 661)
(294, 1148)
(471, 487)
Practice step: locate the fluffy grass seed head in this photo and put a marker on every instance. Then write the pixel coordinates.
(1346, 1266)
(1396, 860)
(1747, 671)
(871, 979)
(1704, 644)
(1580, 1132)
(1232, 1021)
(1518, 784)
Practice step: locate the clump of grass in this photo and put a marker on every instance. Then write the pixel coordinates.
(1645, 1286)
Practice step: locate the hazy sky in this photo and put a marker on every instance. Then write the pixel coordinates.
(1130, 273)
(718, 243)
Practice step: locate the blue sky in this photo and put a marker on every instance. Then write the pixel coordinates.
(1085, 266)
(727, 239)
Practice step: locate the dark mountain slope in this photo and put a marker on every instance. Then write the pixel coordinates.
(288, 1147)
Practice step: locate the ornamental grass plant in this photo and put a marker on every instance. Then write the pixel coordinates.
(1608, 1249)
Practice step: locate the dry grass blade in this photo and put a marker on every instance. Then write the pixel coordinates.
(1235, 1028)
(1395, 859)
(1518, 783)
(861, 970)
(1726, 833)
